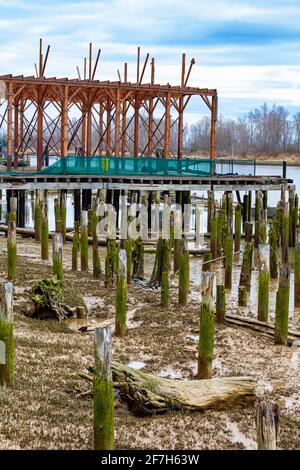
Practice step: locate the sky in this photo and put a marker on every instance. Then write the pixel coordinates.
(248, 50)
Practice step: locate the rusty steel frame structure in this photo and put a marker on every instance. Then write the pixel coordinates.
(106, 108)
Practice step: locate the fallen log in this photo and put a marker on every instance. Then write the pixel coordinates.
(257, 325)
(147, 394)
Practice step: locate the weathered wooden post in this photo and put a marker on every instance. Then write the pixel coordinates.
(13, 209)
(245, 210)
(221, 304)
(94, 223)
(206, 326)
(291, 205)
(245, 277)
(75, 247)
(228, 261)
(6, 336)
(248, 232)
(210, 209)
(285, 235)
(267, 426)
(164, 293)
(274, 255)
(38, 208)
(237, 227)
(103, 391)
(57, 246)
(214, 238)
(57, 215)
(63, 214)
(184, 275)
(11, 250)
(282, 306)
(121, 294)
(44, 234)
(206, 262)
(263, 283)
(128, 248)
(84, 241)
(297, 269)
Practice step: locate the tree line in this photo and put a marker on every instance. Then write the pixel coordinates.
(265, 130)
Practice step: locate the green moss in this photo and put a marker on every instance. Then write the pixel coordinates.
(176, 254)
(184, 278)
(165, 290)
(285, 238)
(121, 309)
(44, 238)
(273, 240)
(228, 262)
(11, 260)
(282, 315)
(75, 249)
(84, 249)
(262, 233)
(237, 227)
(221, 304)
(103, 393)
(214, 238)
(7, 370)
(206, 338)
(128, 249)
(96, 257)
(206, 262)
(58, 270)
(63, 216)
(38, 220)
(263, 295)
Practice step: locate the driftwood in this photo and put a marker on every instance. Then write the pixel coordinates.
(257, 325)
(147, 394)
(48, 302)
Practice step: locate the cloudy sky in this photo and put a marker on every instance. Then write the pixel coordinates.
(248, 50)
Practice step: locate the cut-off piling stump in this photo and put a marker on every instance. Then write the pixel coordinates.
(6, 337)
(121, 294)
(282, 306)
(57, 247)
(11, 251)
(267, 426)
(263, 282)
(103, 391)
(206, 326)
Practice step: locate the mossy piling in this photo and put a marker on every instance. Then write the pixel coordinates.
(282, 306)
(6, 337)
(206, 326)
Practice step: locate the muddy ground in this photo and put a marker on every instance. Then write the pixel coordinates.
(42, 411)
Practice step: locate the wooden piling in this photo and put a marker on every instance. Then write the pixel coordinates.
(38, 208)
(206, 262)
(96, 257)
(57, 215)
(243, 296)
(128, 248)
(282, 306)
(6, 337)
(285, 235)
(57, 246)
(210, 209)
(84, 247)
(274, 254)
(267, 426)
(75, 247)
(248, 232)
(245, 277)
(263, 282)
(164, 293)
(237, 227)
(214, 238)
(44, 234)
(206, 326)
(291, 217)
(297, 269)
(11, 251)
(121, 295)
(221, 304)
(63, 215)
(103, 391)
(228, 261)
(184, 276)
